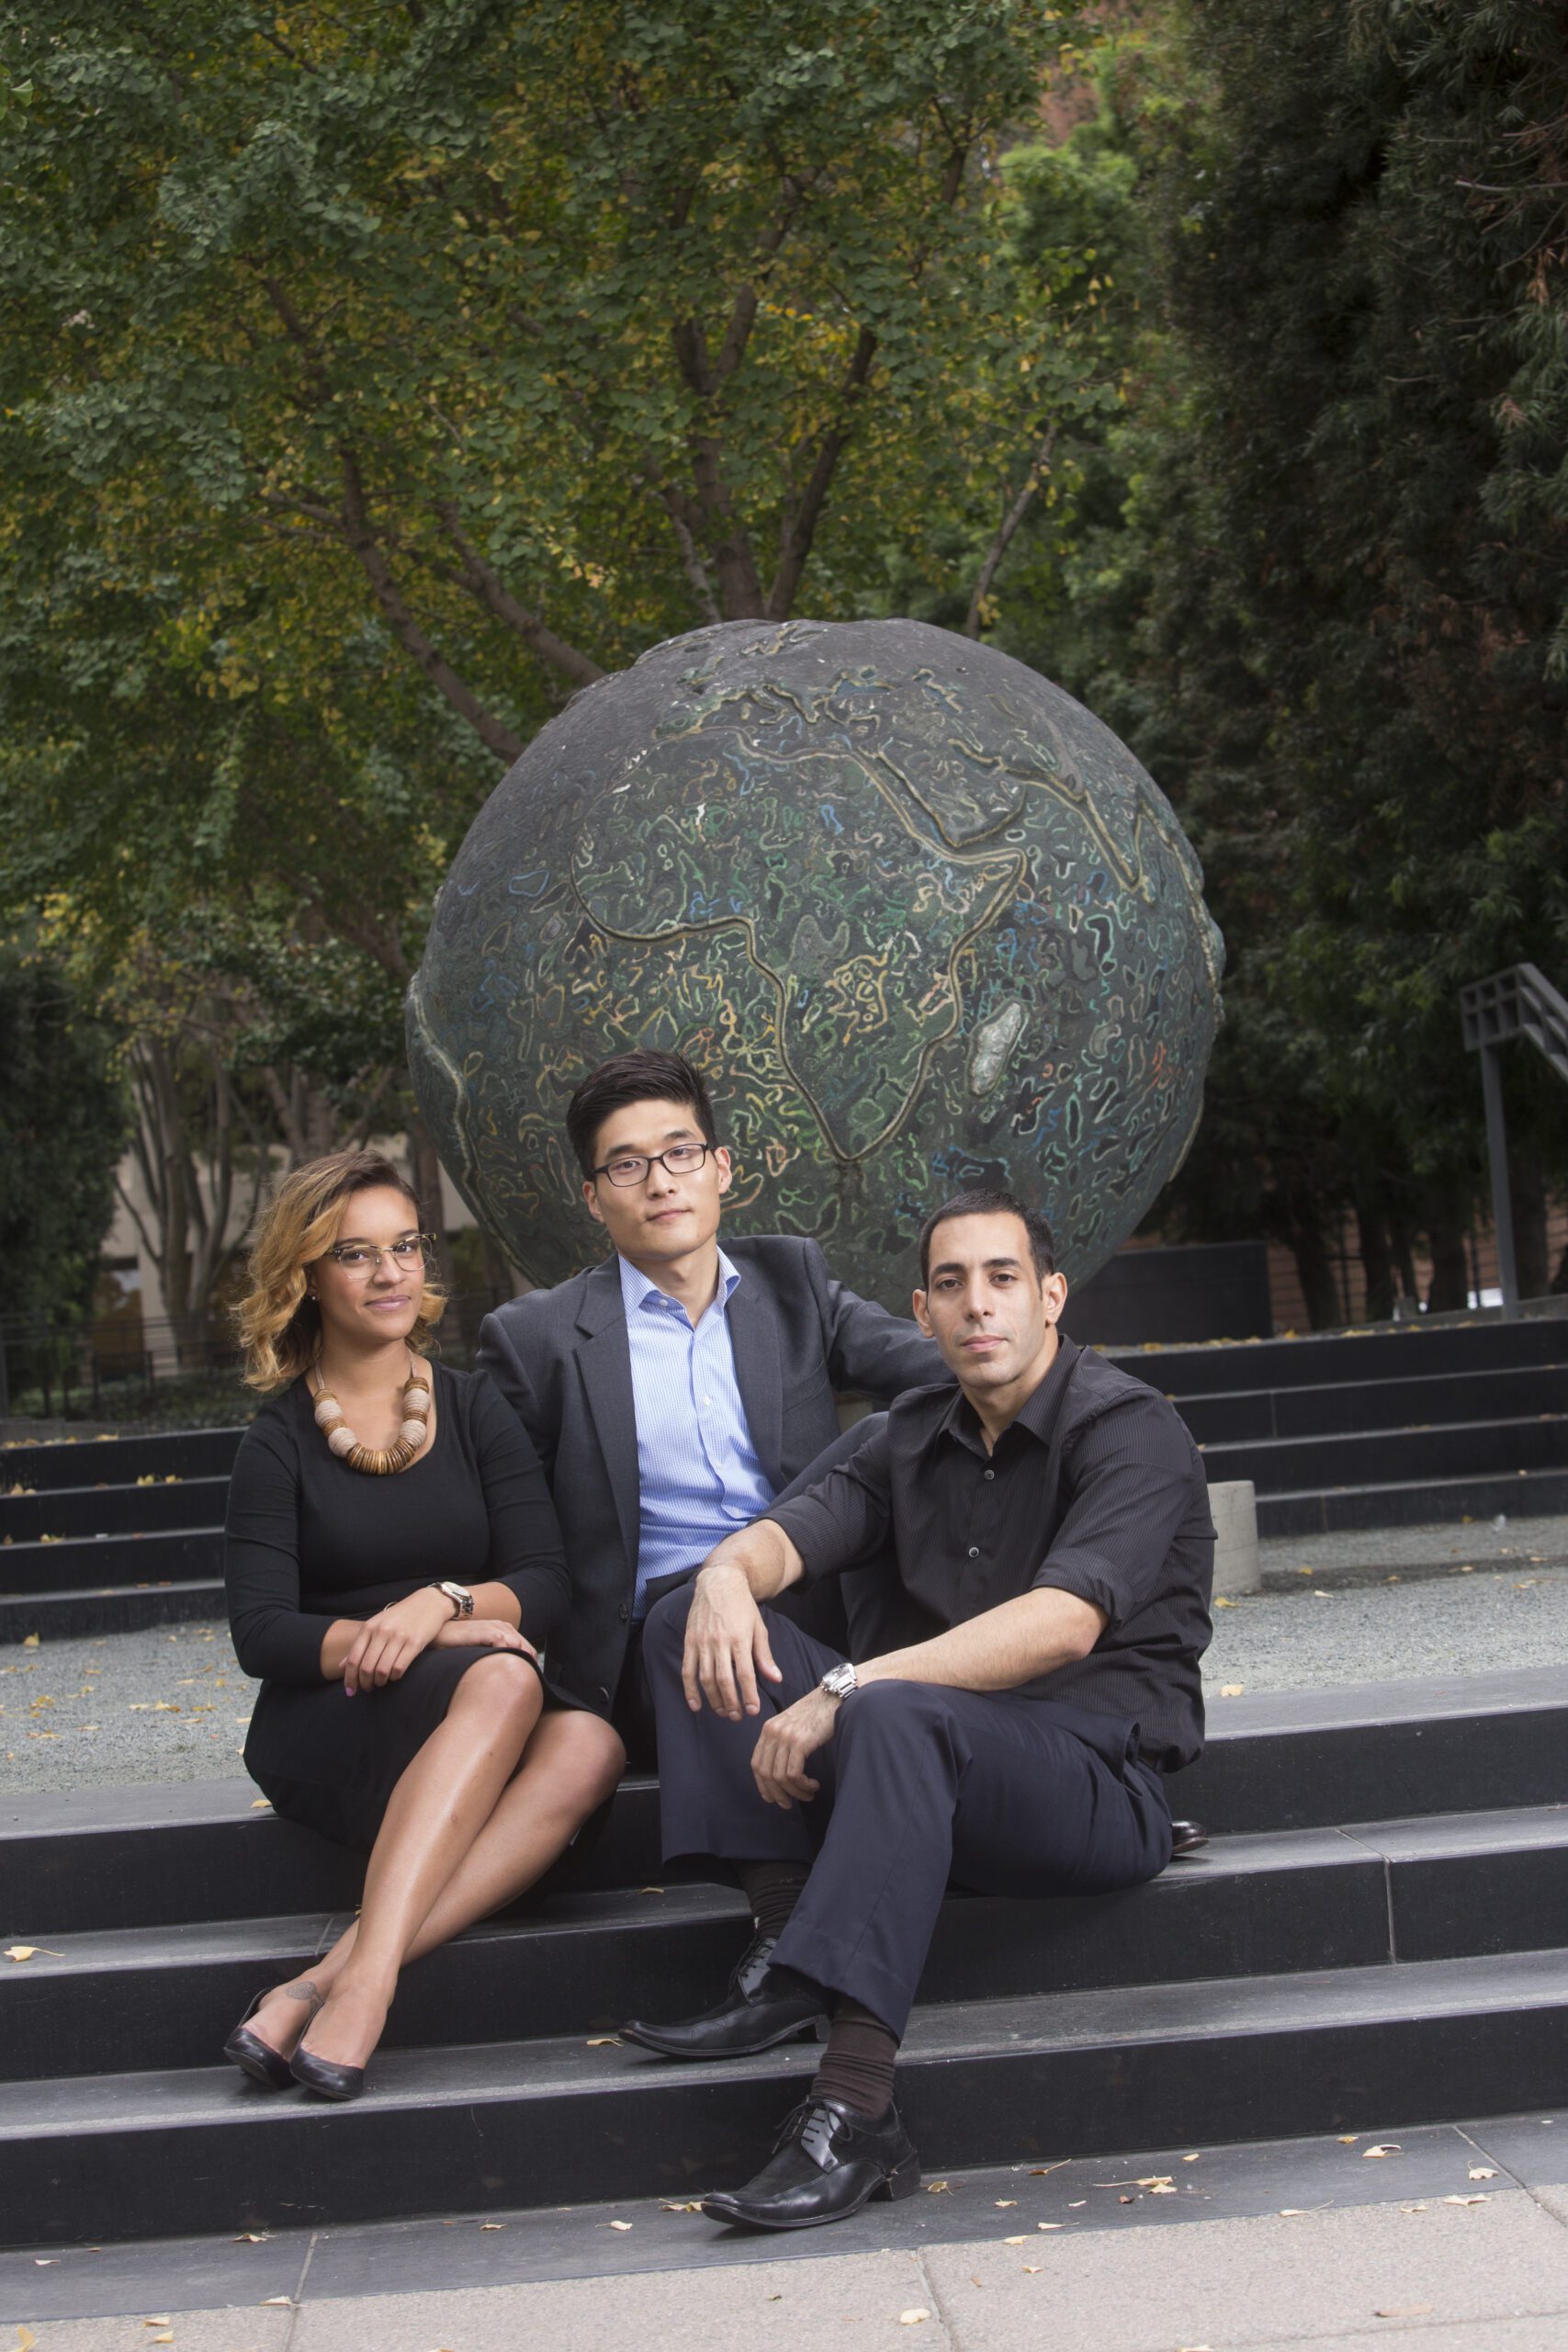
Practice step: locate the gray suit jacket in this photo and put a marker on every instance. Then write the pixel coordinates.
(562, 1359)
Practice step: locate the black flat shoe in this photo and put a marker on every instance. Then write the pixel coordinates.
(1186, 1837)
(325, 2077)
(255, 2057)
(828, 2161)
(762, 2007)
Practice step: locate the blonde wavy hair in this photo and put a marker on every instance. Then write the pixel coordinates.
(279, 1323)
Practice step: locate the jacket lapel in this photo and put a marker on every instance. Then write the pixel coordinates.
(759, 1374)
(605, 1359)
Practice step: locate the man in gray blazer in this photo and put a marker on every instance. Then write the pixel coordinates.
(676, 1390)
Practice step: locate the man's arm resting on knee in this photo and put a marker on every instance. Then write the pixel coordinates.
(727, 1639)
(1001, 1648)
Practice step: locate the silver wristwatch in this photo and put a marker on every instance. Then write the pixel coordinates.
(840, 1680)
(462, 1600)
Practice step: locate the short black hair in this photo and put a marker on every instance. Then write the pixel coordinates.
(646, 1075)
(989, 1200)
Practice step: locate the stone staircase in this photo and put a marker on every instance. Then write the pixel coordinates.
(1388, 1428)
(1377, 1935)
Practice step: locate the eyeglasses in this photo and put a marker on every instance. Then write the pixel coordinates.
(362, 1259)
(631, 1167)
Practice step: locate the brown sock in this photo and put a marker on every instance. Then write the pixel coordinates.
(857, 2065)
(772, 1889)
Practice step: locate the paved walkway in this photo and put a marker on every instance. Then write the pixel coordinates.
(1451, 2239)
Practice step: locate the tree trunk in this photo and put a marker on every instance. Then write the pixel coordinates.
(1376, 1260)
(1315, 1268)
(1449, 1291)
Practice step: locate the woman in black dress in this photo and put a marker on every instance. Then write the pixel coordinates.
(394, 1571)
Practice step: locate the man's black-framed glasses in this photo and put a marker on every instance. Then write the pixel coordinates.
(631, 1167)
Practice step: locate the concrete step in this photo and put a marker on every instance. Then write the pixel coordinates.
(1386, 1351)
(120, 1460)
(1413, 1502)
(1380, 1457)
(75, 1612)
(91, 1511)
(83, 1861)
(158, 1554)
(1522, 1392)
(577, 1962)
(548, 2122)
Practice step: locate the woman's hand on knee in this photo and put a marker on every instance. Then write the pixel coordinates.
(392, 1639)
(483, 1633)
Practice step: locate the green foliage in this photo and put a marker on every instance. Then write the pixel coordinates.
(62, 1128)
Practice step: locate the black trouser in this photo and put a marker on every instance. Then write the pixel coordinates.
(919, 1785)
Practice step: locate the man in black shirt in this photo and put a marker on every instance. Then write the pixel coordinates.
(1054, 1553)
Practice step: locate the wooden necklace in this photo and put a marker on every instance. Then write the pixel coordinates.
(377, 1461)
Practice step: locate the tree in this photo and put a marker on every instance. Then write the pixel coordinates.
(518, 338)
(62, 1128)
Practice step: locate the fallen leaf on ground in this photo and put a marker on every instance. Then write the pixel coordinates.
(603, 2041)
(1349, 2138)
(159, 2319)
(680, 2209)
(26, 2339)
(1073, 2202)
(1193, 2158)
(272, 2299)
(1038, 2172)
(650, 1890)
(261, 1805)
(620, 2225)
(1231, 1689)
(1015, 2241)
(1006, 2200)
(1483, 2172)
(1032, 2270)
(493, 2225)
(253, 2237)
(913, 2318)
(1464, 2201)
(1392, 2149)
(30, 1642)
(27, 1951)
(939, 2189)
(1050, 2226)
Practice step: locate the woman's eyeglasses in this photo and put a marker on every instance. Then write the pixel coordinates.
(362, 1258)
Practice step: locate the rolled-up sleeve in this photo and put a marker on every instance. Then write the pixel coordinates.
(527, 1554)
(274, 1639)
(844, 1518)
(1132, 1488)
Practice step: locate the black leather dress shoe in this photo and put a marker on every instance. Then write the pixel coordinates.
(1186, 1837)
(828, 2160)
(761, 2007)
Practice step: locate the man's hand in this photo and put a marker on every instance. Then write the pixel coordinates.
(392, 1639)
(726, 1645)
(786, 1747)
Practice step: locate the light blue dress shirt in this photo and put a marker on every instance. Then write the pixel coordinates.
(698, 1475)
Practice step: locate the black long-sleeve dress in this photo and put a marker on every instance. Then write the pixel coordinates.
(310, 1540)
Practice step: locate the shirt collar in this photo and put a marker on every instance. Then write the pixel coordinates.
(637, 1292)
(1037, 1415)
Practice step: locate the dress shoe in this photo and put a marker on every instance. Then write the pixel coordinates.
(828, 2160)
(255, 2057)
(761, 2007)
(1186, 1837)
(325, 2077)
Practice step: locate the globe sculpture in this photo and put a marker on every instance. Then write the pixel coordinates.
(922, 920)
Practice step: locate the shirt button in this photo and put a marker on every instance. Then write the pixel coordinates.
(974, 1551)
(990, 1473)
(625, 1611)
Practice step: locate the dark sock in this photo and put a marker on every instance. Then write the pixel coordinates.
(772, 1889)
(857, 2065)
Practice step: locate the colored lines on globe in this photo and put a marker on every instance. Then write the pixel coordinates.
(921, 918)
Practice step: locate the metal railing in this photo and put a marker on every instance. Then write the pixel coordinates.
(1519, 1003)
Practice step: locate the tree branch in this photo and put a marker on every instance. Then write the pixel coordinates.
(801, 528)
(1010, 522)
(491, 591)
(678, 508)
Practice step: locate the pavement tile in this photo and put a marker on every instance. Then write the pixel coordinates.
(238, 2329)
(1542, 2335)
(1305, 2279)
(836, 2304)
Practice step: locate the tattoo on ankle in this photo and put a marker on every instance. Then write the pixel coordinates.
(304, 1990)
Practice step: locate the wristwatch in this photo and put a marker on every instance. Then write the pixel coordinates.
(840, 1680)
(462, 1600)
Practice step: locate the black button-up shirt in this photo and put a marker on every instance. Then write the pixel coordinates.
(1096, 1488)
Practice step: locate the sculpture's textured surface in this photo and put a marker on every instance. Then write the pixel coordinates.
(921, 918)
